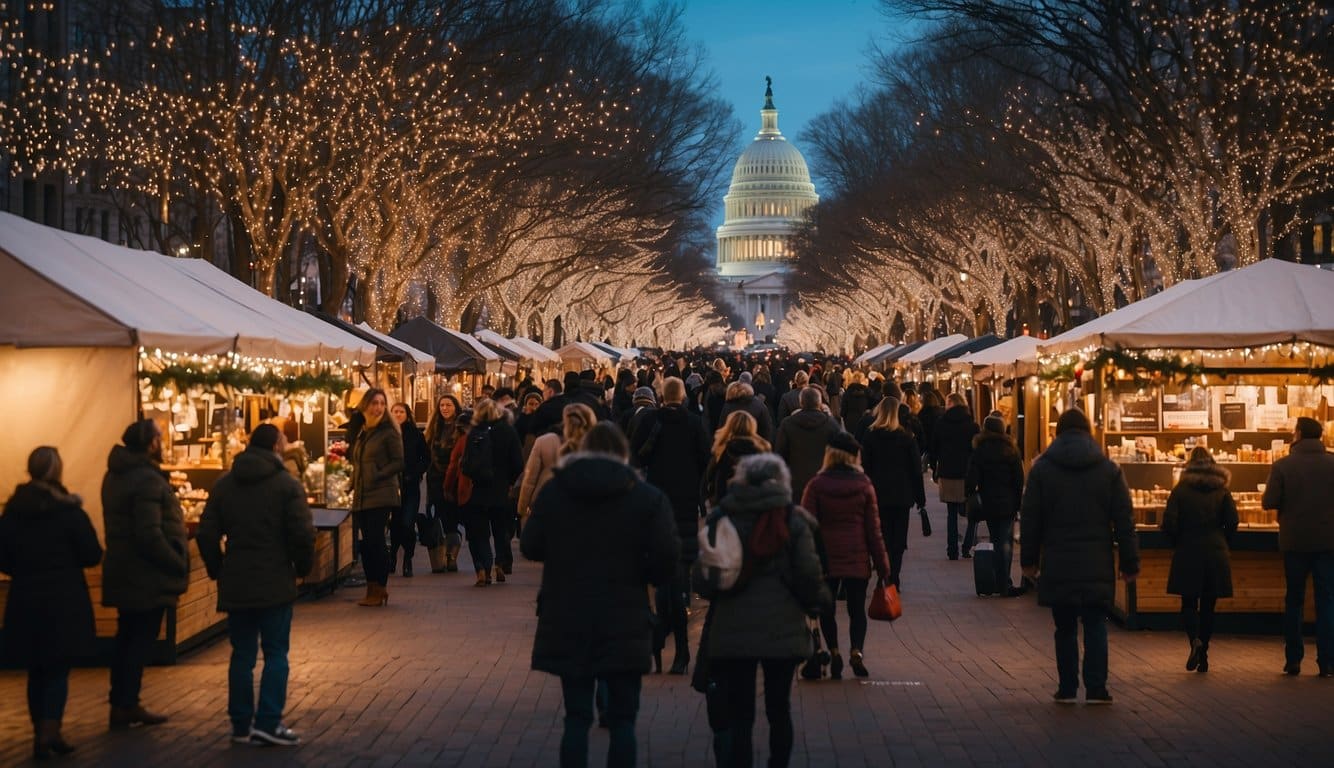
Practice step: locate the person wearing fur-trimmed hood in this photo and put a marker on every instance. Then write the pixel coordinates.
(1200, 519)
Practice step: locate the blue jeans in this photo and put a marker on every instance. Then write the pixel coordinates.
(957, 512)
(1002, 540)
(1067, 646)
(250, 630)
(1297, 566)
(622, 709)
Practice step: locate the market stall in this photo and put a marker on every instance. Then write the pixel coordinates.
(885, 360)
(1227, 362)
(538, 364)
(581, 356)
(95, 335)
(1004, 378)
(462, 361)
(908, 365)
(936, 368)
(874, 352)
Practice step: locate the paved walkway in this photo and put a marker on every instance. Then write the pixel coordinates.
(441, 677)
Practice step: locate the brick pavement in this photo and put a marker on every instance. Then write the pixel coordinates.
(441, 678)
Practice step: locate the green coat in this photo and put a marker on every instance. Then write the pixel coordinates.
(377, 461)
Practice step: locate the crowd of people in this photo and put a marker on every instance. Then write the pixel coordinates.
(802, 474)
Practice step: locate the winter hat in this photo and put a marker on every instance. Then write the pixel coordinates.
(764, 470)
(891, 389)
(744, 377)
(464, 419)
(1073, 419)
(844, 442)
(644, 396)
(694, 381)
(532, 396)
(265, 437)
(994, 424)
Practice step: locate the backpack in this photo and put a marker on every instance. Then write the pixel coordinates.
(478, 461)
(721, 553)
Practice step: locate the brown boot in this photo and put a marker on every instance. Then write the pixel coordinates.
(376, 596)
(123, 718)
(500, 575)
(482, 579)
(50, 739)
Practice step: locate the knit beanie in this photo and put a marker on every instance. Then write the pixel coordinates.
(644, 396)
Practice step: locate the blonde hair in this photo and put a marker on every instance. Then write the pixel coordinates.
(887, 414)
(739, 389)
(673, 390)
(834, 457)
(576, 420)
(800, 378)
(739, 425)
(486, 410)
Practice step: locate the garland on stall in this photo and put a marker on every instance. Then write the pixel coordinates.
(1144, 369)
(186, 377)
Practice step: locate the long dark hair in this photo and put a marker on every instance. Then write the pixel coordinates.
(435, 425)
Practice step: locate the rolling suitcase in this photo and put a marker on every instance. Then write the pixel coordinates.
(984, 569)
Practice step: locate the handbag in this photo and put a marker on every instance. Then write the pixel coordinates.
(885, 604)
(926, 521)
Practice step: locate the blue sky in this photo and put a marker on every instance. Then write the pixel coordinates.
(816, 52)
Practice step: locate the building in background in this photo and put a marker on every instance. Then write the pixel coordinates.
(768, 200)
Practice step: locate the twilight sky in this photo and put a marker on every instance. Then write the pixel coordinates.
(815, 50)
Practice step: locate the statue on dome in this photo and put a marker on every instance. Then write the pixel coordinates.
(768, 92)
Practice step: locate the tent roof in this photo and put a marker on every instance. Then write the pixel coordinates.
(1270, 302)
(61, 289)
(619, 354)
(1016, 357)
(404, 350)
(454, 352)
(964, 347)
(582, 350)
(873, 352)
(536, 351)
(891, 355)
(930, 349)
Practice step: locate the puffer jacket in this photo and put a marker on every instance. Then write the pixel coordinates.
(1200, 519)
(147, 563)
(995, 472)
(765, 616)
(593, 616)
(377, 460)
(261, 511)
(842, 500)
(1075, 507)
(891, 460)
(1301, 488)
(801, 441)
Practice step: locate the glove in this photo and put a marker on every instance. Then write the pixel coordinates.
(926, 521)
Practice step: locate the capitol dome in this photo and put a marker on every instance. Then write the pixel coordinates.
(770, 195)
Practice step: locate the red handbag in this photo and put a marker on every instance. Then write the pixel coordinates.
(885, 604)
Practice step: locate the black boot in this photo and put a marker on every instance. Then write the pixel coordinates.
(1196, 648)
(407, 567)
(681, 662)
(1204, 658)
(835, 665)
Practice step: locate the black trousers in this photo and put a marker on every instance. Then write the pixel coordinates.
(370, 524)
(672, 605)
(135, 633)
(855, 591)
(48, 688)
(894, 530)
(403, 528)
(736, 680)
(1197, 616)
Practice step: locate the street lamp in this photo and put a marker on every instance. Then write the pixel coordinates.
(963, 276)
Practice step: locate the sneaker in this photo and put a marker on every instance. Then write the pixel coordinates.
(858, 666)
(1064, 697)
(241, 735)
(1100, 696)
(281, 736)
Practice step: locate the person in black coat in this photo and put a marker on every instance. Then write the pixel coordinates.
(1200, 519)
(891, 460)
(856, 402)
(592, 612)
(741, 397)
(147, 566)
(951, 443)
(547, 417)
(487, 514)
(46, 540)
(672, 446)
(416, 460)
(1075, 507)
(734, 439)
(260, 512)
(996, 474)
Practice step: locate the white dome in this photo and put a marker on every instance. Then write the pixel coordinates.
(768, 200)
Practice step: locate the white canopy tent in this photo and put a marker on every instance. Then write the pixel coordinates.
(423, 361)
(578, 355)
(515, 348)
(866, 356)
(1010, 359)
(77, 311)
(536, 352)
(930, 349)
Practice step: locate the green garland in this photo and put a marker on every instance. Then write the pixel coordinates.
(1145, 370)
(186, 377)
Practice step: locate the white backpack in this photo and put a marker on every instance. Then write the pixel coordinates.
(721, 553)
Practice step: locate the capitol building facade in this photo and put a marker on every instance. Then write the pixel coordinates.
(769, 198)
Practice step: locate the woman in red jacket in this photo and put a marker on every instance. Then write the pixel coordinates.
(842, 499)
